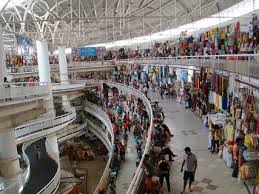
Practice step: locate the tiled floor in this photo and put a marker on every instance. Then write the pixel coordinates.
(212, 176)
(127, 168)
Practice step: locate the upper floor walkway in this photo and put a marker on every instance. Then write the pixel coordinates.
(243, 64)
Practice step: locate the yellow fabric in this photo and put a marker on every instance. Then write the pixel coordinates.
(217, 102)
(229, 132)
(249, 141)
(220, 102)
(257, 178)
(217, 134)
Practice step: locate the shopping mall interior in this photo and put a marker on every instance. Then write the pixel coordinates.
(129, 96)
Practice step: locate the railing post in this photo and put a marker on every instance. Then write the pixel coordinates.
(248, 70)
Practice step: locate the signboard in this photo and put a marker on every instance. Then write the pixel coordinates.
(88, 51)
(25, 44)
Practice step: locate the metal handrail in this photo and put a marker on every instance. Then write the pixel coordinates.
(22, 90)
(27, 172)
(102, 113)
(128, 89)
(139, 94)
(44, 124)
(73, 130)
(52, 186)
(99, 132)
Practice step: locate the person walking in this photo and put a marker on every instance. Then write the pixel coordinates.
(163, 171)
(162, 92)
(189, 167)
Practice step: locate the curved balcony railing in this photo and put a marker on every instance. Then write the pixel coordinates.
(58, 87)
(101, 115)
(245, 64)
(44, 127)
(55, 67)
(27, 171)
(99, 132)
(127, 89)
(53, 184)
(22, 91)
(72, 132)
(17, 185)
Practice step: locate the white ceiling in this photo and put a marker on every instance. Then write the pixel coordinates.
(81, 22)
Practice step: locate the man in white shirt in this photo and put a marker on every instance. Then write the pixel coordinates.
(189, 167)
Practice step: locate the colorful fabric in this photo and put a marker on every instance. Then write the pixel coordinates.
(249, 141)
(220, 102)
(224, 102)
(229, 132)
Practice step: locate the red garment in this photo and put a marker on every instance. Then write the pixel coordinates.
(257, 124)
(204, 90)
(125, 125)
(149, 184)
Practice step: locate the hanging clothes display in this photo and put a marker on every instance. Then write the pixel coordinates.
(225, 102)
(229, 132)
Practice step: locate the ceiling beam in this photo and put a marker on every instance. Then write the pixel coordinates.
(95, 12)
(142, 3)
(5, 5)
(179, 2)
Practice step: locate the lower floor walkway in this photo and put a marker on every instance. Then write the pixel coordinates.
(43, 169)
(212, 176)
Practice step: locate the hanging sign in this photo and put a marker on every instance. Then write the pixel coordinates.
(25, 44)
(88, 51)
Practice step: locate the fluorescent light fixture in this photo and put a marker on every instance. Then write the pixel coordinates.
(67, 51)
(240, 9)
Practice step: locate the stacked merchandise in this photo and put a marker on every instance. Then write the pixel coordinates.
(239, 135)
(16, 62)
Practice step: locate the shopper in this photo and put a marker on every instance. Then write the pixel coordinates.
(121, 150)
(145, 90)
(216, 139)
(38, 152)
(162, 92)
(163, 171)
(149, 184)
(236, 156)
(149, 165)
(189, 167)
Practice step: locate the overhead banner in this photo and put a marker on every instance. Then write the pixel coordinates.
(25, 44)
(88, 51)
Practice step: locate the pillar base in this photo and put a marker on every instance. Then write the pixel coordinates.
(9, 167)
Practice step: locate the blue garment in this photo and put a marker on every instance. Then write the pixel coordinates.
(225, 102)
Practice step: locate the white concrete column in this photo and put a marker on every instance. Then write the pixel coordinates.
(52, 147)
(43, 60)
(2, 58)
(66, 102)
(63, 74)
(62, 65)
(9, 158)
(44, 72)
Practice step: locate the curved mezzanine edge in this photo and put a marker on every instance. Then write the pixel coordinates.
(245, 64)
(101, 115)
(127, 89)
